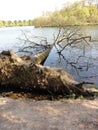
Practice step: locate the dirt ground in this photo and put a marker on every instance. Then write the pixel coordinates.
(25, 114)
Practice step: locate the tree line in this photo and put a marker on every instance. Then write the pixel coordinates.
(15, 23)
(84, 12)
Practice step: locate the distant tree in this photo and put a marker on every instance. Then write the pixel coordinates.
(20, 23)
(29, 22)
(15, 23)
(10, 23)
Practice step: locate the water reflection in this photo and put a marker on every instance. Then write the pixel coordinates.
(82, 67)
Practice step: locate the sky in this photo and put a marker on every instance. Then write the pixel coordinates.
(28, 9)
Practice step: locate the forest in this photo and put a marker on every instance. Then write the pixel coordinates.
(79, 13)
(83, 12)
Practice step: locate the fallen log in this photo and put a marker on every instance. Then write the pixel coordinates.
(18, 73)
(40, 58)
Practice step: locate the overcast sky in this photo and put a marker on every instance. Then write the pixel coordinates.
(28, 9)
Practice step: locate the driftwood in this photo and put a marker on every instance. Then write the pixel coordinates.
(20, 73)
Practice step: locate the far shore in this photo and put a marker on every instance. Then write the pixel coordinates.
(88, 24)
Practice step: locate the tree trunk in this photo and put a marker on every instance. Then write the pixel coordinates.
(23, 74)
(40, 58)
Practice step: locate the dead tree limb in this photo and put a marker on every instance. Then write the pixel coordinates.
(70, 37)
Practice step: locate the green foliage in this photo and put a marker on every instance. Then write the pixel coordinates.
(15, 23)
(77, 14)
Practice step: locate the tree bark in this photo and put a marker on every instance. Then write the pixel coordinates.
(40, 58)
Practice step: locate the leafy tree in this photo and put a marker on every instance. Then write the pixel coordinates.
(83, 12)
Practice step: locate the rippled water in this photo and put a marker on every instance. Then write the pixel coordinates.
(9, 40)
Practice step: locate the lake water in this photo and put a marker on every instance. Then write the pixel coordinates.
(86, 68)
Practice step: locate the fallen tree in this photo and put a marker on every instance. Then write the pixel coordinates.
(27, 73)
(19, 73)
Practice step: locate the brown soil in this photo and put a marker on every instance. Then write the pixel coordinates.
(65, 114)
